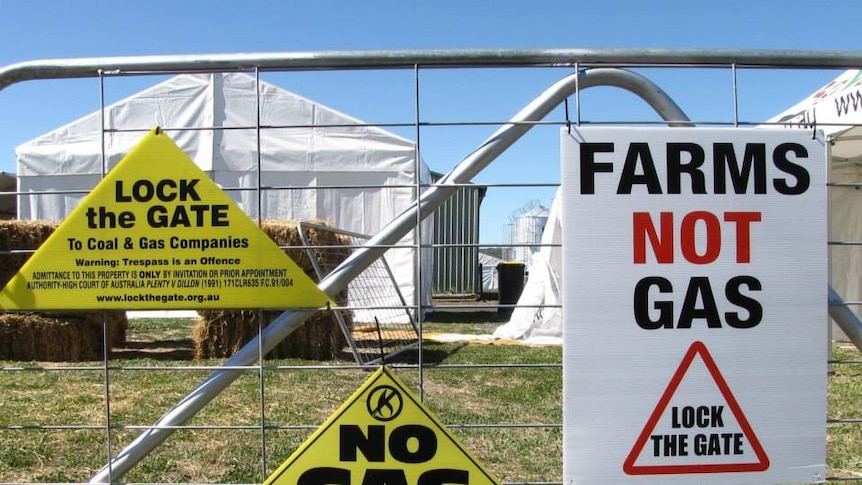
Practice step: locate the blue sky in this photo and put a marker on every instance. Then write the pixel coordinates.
(32, 30)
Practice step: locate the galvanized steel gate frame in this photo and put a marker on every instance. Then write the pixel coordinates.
(592, 67)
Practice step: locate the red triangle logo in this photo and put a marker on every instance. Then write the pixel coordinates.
(697, 349)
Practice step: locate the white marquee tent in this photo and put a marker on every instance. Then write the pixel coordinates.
(311, 146)
(836, 108)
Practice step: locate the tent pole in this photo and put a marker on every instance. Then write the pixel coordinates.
(362, 258)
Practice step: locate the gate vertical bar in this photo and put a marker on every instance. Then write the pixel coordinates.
(106, 341)
(261, 376)
(417, 272)
(734, 75)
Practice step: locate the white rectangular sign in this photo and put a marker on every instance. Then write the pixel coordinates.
(695, 316)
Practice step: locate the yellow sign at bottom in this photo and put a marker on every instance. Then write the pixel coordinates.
(158, 233)
(382, 435)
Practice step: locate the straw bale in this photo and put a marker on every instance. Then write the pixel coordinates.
(220, 333)
(20, 236)
(223, 333)
(82, 331)
(50, 337)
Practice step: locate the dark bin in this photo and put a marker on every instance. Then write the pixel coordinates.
(510, 281)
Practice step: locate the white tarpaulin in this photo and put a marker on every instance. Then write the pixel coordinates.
(836, 108)
(307, 145)
(536, 319)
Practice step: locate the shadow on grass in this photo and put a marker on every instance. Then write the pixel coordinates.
(156, 350)
(150, 346)
(467, 317)
(432, 354)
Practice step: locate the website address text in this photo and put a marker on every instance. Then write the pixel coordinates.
(147, 297)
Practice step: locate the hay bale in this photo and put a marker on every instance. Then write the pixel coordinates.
(223, 333)
(47, 337)
(37, 331)
(220, 333)
(20, 236)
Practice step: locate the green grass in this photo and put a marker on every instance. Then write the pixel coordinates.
(294, 397)
(844, 442)
(297, 400)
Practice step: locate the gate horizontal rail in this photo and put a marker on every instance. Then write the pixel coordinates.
(96, 66)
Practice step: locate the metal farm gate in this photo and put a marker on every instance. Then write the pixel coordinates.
(144, 418)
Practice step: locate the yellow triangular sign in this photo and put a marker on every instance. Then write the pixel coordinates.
(157, 233)
(382, 435)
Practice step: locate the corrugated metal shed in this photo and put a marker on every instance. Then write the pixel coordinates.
(456, 239)
(8, 201)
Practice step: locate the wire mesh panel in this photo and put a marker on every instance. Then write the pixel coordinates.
(137, 407)
(381, 324)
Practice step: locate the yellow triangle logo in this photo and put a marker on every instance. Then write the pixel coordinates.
(382, 435)
(157, 233)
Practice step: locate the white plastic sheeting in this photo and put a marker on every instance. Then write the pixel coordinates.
(533, 321)
(311, 146)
